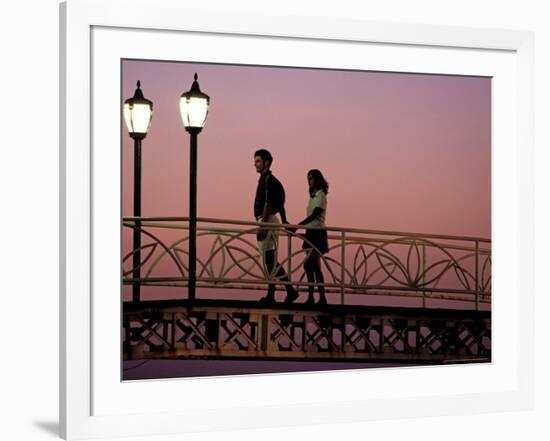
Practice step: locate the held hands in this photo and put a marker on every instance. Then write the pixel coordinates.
(290, 229)
(264, 231)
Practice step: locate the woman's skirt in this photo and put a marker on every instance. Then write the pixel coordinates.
(316, 239)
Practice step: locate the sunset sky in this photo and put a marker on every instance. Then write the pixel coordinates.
(403, 152)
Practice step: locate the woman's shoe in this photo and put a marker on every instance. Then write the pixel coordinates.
(322, 301)
(267, 300)
(310, 301)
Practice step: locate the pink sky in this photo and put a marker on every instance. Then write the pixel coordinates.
(401, 152)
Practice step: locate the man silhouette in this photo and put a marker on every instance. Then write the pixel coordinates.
(270, 201)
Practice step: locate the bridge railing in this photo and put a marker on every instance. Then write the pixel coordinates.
(359, 262)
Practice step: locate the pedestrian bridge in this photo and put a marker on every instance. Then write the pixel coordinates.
(436, 292)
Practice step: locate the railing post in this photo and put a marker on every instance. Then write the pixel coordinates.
(423, 275)
(477, 275)
(127, 346)
(289, 265)
(173, 333)
(343, 268)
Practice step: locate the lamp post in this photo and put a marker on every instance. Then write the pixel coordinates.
(137, 115)
(193, 108)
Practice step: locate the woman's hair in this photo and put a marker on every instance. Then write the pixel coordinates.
(320, 182)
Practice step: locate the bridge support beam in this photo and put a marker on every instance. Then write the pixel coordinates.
(240, 330)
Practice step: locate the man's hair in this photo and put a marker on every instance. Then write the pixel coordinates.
(264, 154)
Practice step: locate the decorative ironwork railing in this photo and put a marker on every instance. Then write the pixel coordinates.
(359, 261)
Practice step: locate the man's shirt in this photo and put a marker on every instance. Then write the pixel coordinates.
(269, 190)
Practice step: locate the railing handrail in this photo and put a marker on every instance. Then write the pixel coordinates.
(327, 228)
(356, 239)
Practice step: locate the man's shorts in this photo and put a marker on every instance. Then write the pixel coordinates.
(271, 242)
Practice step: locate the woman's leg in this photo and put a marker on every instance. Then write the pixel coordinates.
(319, 277)
(310, 274)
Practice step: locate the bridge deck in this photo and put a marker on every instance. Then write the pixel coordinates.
(297, 308)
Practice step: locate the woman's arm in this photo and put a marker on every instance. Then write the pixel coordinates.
(316, 212)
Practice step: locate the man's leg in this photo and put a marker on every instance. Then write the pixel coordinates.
(320, 279)
(269, 260)
(281, 275)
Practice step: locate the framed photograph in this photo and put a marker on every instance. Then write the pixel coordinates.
(326, 219)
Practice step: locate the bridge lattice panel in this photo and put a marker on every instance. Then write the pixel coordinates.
(210, 332)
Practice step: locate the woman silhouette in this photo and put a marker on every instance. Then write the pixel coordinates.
(316, 240)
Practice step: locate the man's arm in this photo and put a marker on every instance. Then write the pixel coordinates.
(267, 212)
(284, 220)
(262, 232)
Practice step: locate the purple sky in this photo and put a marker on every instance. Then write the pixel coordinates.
(401, 151)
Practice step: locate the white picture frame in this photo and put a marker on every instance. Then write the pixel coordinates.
(89, 407)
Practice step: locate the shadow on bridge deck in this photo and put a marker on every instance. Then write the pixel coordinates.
(297, 308)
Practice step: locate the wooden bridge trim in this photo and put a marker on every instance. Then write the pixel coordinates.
(230, 329)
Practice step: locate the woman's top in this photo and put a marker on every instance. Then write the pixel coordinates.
(319, 199)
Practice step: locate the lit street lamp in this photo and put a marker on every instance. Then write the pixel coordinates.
(193, 108)
(137, 115)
